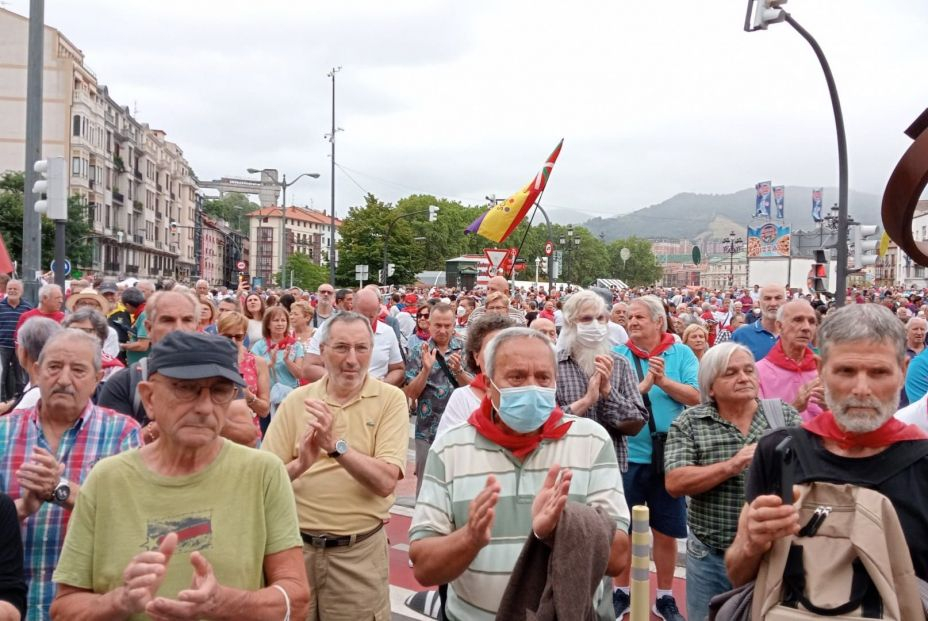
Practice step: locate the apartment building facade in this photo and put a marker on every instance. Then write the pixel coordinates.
(139, 192)
(306, 231)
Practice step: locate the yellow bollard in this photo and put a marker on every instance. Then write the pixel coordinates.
(640, 609)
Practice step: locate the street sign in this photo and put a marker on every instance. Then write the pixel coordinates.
(697, 255)
(67, 266)
(240, 266)
(549, 248)
(360, 273)
(496, 256)
(491, 271)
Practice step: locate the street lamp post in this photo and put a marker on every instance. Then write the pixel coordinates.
(732, 246)
(331, 137)
(569, 244)
(283, 185)
(770, 12)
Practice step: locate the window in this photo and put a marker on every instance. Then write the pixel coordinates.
(76, 131)
(75, 166)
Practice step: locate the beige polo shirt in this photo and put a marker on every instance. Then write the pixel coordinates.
(328, 499)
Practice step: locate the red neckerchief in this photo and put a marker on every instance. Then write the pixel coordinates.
(423, 334)
(479, 382)
(519, 446)
(665, 344)
(281, 344)
(109, 362)
(892, 431)
(138, 311)
(778, 356)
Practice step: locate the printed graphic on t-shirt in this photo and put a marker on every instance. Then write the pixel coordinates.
(194, 532)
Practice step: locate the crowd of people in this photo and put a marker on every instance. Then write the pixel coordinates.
(195, 452)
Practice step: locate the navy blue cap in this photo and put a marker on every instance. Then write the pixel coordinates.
(195, 355)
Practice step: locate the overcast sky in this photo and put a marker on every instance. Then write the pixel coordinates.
(462, 100)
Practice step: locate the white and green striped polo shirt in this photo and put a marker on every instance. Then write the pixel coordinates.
(456, 471)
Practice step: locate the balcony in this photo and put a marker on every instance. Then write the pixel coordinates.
(118, 197)
(92, 183)
(159, 245)
(158, 186)
(167, 272)
(138, 175)
(132, 269)
(172, 196)
(137, 206)
(111, 266)
(138, 239)
(158, 214)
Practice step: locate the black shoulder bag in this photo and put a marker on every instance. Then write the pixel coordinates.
(658, 438)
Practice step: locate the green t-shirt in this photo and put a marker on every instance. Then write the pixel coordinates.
(140, 333)
(235, 512)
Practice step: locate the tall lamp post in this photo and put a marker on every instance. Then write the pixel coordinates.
(283, 185)
(769, 12)
(331, 137)
(732, 246)
(569, 243)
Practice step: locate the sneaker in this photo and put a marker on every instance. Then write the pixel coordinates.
(666, 608)
(621, 601)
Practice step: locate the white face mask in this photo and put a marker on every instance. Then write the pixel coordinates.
(591, 333)
(461, 311)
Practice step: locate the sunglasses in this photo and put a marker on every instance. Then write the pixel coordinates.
(425, 316)
(235, 337)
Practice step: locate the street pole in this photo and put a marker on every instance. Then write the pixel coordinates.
(32, 221)
(841, 258)
(332, 180)
(60, 252)
(283, 229)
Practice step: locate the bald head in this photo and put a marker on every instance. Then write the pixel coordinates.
(367, 303)
(546, 327)
(500, 284)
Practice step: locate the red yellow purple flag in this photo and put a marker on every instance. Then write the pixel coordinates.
(499, 221)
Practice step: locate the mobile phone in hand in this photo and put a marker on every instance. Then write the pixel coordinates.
(786, 460)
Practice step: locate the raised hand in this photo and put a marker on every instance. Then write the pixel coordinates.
(481, 513)
(322, 422)
(200, 601)
(144, 574)
(604, 365)
(40, 473)
(550, 501)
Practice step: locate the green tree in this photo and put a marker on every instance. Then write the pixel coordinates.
(306, 274)
(641, 268)
(233, 208)
(77, 229)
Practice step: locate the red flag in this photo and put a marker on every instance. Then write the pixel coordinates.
(6, 266)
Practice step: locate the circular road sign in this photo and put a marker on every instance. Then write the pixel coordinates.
(549, 248)
(625, 254)
(67, 266)
(240, 266)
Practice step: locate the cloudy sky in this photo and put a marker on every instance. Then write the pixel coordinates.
(462, 100)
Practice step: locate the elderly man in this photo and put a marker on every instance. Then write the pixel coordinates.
(709, 448)
(51, 448)
(32, 339)
(915, 330)
(325, 304)
(166, 311)
(12, 306)
(202, 287)
(50, 301)
(435, 369)
(386, 358)
(344, 440)
(505, 479)
(546, 327)
(201, 528)
(619, 313)
(667, 379)
(856, 441)
(790, 369)
(498, 284)
(591, 381)
(760, 336)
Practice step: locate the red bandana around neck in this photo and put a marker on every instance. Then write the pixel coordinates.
(519, 446)
(665, 344)
(479, 382)
(892, 431)
(281, 344)
(777, 356)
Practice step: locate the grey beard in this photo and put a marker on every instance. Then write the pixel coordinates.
(858, 422)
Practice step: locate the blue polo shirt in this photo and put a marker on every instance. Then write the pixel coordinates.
(755, 338)
(680, 365)
(916, 377)
(9, 317)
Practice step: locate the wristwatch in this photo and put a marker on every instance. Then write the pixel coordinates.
(341, 447)
(61, 493)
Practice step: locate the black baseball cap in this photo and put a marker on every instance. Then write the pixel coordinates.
(195, 355)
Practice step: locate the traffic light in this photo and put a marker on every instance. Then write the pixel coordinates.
(865, 249)
(766, 12)
(173, 227)
(53, 183)
(820, 271)
(433, 213)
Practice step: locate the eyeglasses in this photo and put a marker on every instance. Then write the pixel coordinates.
(219, 393)
(235, 337)
(423, 316)
(342, 349)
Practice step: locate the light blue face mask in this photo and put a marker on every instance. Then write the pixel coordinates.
(525, 408)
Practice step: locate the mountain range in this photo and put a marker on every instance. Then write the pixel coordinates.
(690, 216)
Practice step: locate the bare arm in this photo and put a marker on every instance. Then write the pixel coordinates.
(238, 426)
(396, 374)
(312, 367)
(692, 480)
(618, 555)
(376, 475)
(8, 612)
(261, 402)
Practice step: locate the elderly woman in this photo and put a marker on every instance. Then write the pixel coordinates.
(696, 338)
(254, 370)
(201, 526)
(88, 298)
(301, 317)
(708, 450)
(253, 308)
(92, 321)
(465, 399)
